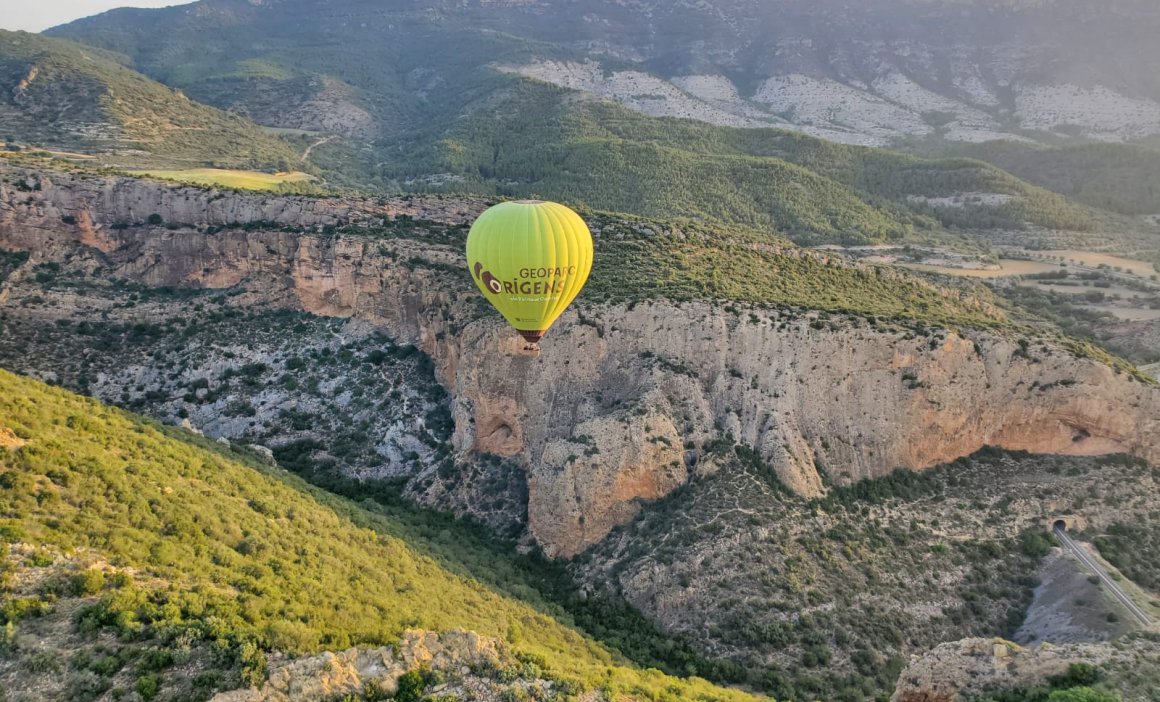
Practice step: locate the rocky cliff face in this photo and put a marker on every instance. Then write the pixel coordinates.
(625, 398)
(33, 200)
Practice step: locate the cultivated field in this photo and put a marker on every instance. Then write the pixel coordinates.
(1009, 267)
(1094, 260)
(248, 180)
(1047, 261)
(1131, 314)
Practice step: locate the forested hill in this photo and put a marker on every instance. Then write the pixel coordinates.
(59, 94)
(533, 139)
(1123, 178)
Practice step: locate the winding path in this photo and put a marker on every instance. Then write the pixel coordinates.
(320, 142)
(1096, 568)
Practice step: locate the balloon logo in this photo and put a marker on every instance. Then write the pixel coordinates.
(530, 259)
(488, 279)
(492, 284)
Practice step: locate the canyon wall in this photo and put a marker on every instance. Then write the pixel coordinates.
(624, 399)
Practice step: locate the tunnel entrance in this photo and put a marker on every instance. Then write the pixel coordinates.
(1066, 522)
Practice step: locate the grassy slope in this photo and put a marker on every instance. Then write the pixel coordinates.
(272, 559)
(86, 98)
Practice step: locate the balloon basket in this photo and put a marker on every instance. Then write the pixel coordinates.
(515, 346)
(532, 342)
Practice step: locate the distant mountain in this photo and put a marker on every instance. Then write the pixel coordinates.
(868, 73)
(58, 94)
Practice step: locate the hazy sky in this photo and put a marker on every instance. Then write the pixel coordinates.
(37, 15)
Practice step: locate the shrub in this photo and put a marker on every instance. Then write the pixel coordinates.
(411, 686)
(816, 656)
(1077, 675)
(1084, 694)
(44, 662)
(1035, 544)
(374, 692)
(88, 583)
(148, 686)
(253, 661)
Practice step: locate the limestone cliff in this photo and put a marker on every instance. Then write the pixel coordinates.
(624, 398)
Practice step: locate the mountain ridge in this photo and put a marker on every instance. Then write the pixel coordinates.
(866, 74)
(405, 116)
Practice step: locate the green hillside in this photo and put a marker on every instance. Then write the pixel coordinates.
(63, 95)
(213, 547)
(1124, 178)
(540, 140)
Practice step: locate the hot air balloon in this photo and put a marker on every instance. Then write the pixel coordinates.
(530, 258)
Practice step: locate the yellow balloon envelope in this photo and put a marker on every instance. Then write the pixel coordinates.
(530, 259)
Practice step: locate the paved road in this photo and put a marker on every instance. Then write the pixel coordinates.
(1103, 575)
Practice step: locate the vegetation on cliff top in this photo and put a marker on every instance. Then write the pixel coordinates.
(291, 181)
(690, 261)
(225, 550)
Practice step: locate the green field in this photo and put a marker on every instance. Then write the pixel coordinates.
(245, 180)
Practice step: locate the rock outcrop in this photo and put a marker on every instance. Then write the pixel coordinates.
(624, 414)
(37, 200)
(9, 440)
(357, 671)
